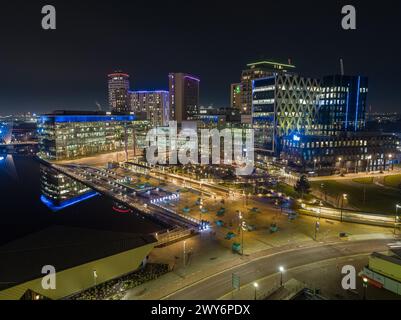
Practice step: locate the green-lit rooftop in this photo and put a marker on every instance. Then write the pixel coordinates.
(270, 65)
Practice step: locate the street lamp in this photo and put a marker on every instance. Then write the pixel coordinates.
(396, 217)
(341, 164)
(365, 287)
(184, 252)
(314, 164)
(256, 286)
(344, 197)
(281, 269)
(242, 225)
(317, 227)
(368, 167)
(391, 161)
(95, 277)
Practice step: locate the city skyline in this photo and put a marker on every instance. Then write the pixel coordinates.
(67, 68)
(200, 152)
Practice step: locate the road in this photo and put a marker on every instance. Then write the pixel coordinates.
(347, 216)
(220, 284)
(361, 175)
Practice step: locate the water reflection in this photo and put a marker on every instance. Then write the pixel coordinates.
(7, 165)
(30, 193)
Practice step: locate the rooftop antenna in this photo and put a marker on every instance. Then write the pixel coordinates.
(342, 66)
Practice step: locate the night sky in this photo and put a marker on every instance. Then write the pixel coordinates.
(67, 68)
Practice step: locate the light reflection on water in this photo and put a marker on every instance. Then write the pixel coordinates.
(22, 210)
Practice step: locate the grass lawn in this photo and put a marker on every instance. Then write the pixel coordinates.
(393, 181)
(368, 180)
(378, 199)
(290, 192)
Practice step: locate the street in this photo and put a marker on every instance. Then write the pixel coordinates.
(220, 284)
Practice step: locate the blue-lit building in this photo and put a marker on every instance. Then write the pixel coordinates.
(59, 191)
(342, 106)
(65, 135)
(350, 152)
(211, 117)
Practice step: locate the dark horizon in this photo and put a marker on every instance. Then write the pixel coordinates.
(67, 68)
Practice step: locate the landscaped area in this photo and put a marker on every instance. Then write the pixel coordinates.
(290, 191)
(364, 194)
(393, 181)
(368, 180)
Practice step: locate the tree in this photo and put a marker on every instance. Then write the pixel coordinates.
(302, 186)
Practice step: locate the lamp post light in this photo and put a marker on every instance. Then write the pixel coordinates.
(344, 197)
(242, 226)
(314, 164)
(95, 277)
(391, 162)
(368, 167)
(317, 227)
(281, 269)
(365, 287)
(184, 252)
(256, 286)
(397, 218)
(323, 187)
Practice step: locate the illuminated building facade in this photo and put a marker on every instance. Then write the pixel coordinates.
(184, 96)
(118, 84)
(342, 106)
(151, 105)
(282, 104)
(59, 191)
(254, 71)
(69, 135)
(209, 117)
(236, 94)
(343, 153)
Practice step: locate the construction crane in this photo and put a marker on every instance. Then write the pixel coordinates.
(99, 106)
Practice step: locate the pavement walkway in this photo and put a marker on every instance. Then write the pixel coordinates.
(206, 263)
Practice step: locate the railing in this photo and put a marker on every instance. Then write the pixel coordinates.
(173, 236)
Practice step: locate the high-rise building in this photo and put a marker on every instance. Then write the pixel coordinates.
(284, 104)
(151, 105)
(118, 84)
(236, 93)
(184, 96)
(258, 70)
(342, 106)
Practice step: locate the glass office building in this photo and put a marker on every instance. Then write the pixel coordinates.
(342, 106)
(70, 135)
(283, 104)
(59, 191)
(343, 153)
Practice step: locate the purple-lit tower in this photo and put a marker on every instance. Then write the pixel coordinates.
(184, 96)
